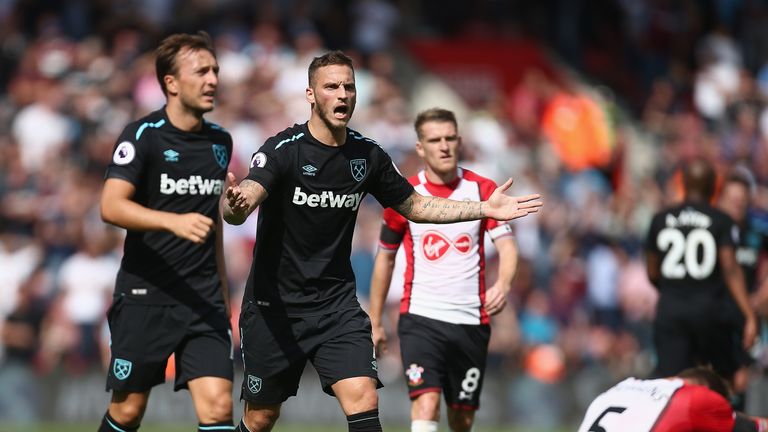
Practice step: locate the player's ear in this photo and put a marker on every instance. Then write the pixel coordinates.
(419, 149)
(171, 85)
(310, 95)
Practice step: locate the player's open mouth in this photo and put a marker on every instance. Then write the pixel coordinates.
(340, 111)
(209, 94)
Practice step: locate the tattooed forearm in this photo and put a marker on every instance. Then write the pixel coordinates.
(241, 200)
(406, 207)
(439, 210)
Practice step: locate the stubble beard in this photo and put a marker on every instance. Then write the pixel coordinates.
(332, 123)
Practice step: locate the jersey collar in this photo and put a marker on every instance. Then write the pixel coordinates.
(441, 190)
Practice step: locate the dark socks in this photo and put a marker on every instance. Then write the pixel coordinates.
(225, 426)
(364, 422)
(108, 424)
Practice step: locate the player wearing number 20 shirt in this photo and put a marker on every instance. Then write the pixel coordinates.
(691, 260)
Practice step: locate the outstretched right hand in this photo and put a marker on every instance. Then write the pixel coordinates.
(194, 227)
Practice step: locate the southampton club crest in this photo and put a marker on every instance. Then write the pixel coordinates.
(358, 168)
(220, 153)
(414, 374)
(254, 384)
(121, 369)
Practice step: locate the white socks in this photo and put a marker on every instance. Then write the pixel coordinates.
(423, 426)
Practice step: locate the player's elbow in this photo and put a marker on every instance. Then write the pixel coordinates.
(108, 213)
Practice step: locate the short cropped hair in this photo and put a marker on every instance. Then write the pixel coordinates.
(708, 378)
(328, 59)
(168, 51)
(434, 114)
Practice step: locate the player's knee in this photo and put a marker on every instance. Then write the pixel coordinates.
(361, 401)
(460, 421)
(369, 400)
(127, 414)
(261, 420)
(219, 409)
(426, 407)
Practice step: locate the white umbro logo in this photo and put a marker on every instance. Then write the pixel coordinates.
(309, 170)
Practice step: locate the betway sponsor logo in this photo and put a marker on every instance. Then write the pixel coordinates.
(327, 199)
(194, 185)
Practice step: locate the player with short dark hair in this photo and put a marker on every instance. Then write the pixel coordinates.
(299, 303)
(735, 200)
(444, 324)
(691, 260)
(164, 187)
(695, 400)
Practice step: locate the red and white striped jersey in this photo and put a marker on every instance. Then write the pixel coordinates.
(444, 277)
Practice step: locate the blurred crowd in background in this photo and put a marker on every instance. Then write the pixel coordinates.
(622, 93)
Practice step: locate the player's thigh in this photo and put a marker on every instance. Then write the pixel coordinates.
(142, 337)
(465, 365)
(346, 350)
(423, 351)
(717, 346)
(207, 354)
(273, 359)
(674, 346)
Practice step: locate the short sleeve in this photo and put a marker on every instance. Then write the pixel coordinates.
(393, 229)
(653, 231)
(388, 186)
(128, 156)
(265, 166)
(729, 233)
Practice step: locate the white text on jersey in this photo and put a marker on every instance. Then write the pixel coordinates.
(689, 217)
(194, 185)
(326, 199)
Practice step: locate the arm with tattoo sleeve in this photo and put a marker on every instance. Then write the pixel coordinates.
(420, 209)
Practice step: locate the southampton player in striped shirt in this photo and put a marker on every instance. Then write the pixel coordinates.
(444, 323)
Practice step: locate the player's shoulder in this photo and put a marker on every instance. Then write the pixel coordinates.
(704, 397)
(142, 128)
(217, 132)
(720, 216)
(287, 137)
(359, 139)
